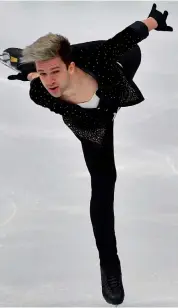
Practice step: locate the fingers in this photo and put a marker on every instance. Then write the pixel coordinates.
(19, 76)
(154, 7)
(165, 14)
(170, 29)
(12, 77)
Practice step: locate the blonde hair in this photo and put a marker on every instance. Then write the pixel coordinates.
(47, 47)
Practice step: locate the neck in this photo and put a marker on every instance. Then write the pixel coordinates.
(75, 84)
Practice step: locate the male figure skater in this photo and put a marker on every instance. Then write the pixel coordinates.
(87, 84)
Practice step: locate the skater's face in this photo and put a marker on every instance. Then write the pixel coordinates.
(54, 75)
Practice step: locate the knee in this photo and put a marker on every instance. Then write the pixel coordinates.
(104, 181)
(132, 56)
(137, 55)
(131, 61)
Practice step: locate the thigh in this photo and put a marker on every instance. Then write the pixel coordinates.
(100, 159)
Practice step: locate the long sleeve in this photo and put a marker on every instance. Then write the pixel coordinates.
(125, 40)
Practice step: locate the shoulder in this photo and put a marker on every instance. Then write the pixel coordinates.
(86, 49)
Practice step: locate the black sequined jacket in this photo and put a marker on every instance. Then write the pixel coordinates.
(98, 58)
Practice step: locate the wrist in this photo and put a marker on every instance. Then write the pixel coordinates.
(31, 76)
(151, 23)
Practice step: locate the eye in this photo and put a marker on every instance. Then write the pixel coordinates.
(55, 72)
(42, 74)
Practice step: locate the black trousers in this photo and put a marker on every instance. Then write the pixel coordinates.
(101, 166)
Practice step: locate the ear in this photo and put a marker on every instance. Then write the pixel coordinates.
(71, 67)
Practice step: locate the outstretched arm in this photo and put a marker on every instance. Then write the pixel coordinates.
(128, 38)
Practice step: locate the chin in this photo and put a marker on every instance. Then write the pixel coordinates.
(57, 94)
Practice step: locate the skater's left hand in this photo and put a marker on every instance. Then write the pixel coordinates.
(160, 18)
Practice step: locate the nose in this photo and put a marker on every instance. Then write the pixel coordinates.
(50, 80)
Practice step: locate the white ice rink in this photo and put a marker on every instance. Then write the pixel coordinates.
(47, 249)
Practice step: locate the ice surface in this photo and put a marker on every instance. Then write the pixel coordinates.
(47, 250)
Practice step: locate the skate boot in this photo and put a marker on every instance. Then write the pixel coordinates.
(12, 58)
(112, 286)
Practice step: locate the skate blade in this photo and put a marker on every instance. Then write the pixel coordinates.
(9, 61)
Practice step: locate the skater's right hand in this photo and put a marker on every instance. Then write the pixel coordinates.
(160, 18)
(19, 76)
(25, 69)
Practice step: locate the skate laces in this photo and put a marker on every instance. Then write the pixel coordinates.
(113, 281)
